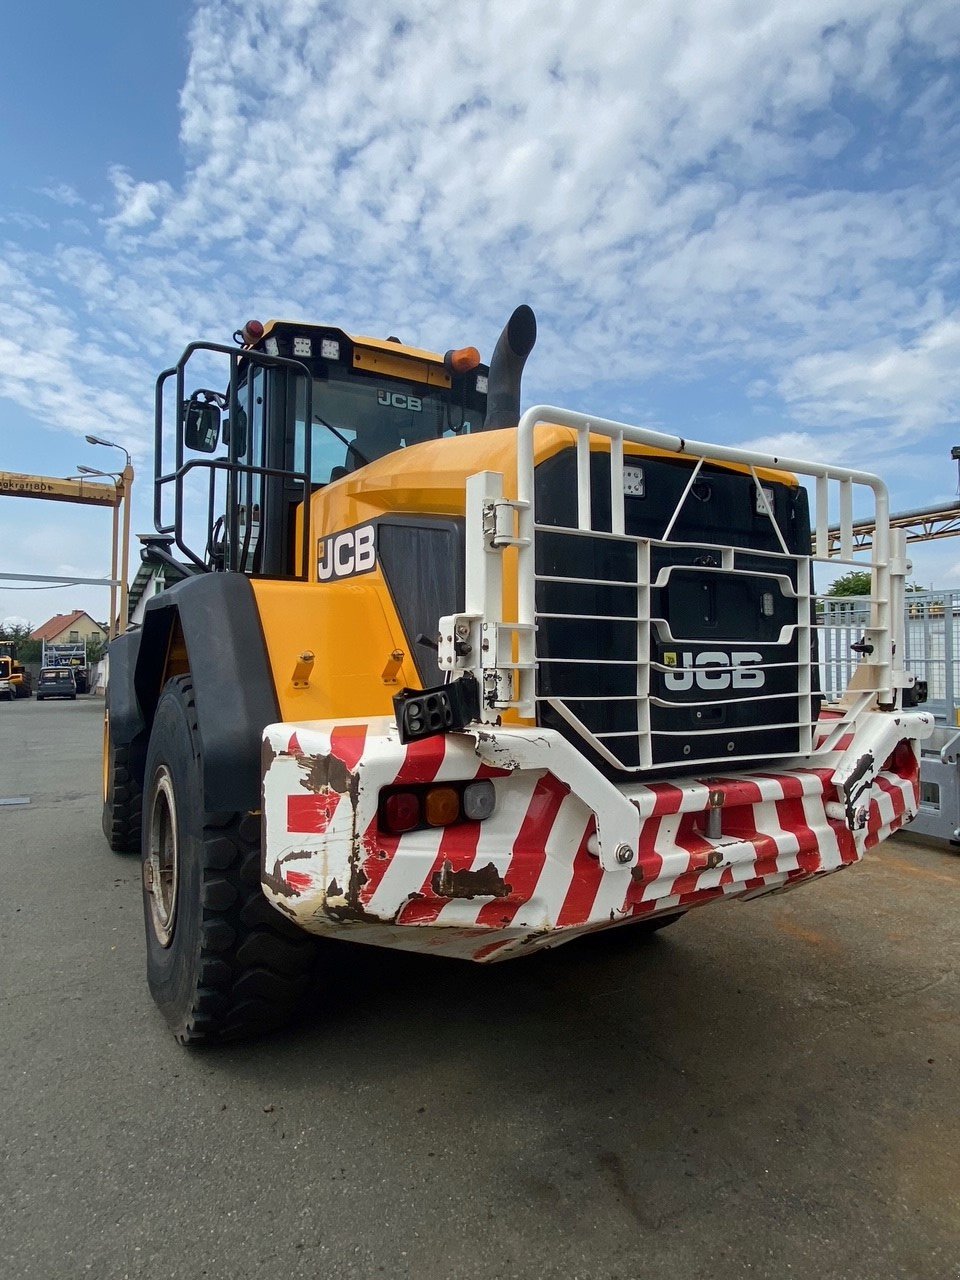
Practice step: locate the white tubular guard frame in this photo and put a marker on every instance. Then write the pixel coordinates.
(503, 654)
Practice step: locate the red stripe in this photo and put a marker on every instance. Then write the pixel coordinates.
(584, 884)
(488, 771)
(649, 859)
(529, 852)
(897, 797)
(847, 844)
(421, 763)
(489, 948)
(458, 846)
(298, 880)
(293, 746)
(689, 839)
(668, 799)
(378, 851)
(311, 813)
(792, 818)
(736, 791)
(347, 743)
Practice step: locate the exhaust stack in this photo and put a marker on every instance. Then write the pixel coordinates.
(506, 368)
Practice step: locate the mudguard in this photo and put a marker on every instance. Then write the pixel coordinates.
(232, 682)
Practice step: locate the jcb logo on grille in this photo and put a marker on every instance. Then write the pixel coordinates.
(344, 555)
(713, 669)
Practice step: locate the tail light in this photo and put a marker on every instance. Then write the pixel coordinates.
(413, 808)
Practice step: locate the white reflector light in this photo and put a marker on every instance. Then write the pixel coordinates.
(272, 347)
(768, 494)
(482, 383)
(302, 347)
(479, 800)
(330, 349)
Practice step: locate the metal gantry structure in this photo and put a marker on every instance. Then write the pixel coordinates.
(84, 491)
(924, 524)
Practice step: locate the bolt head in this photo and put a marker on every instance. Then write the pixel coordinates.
(624, 854)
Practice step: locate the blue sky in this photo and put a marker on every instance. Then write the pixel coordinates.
(737, 220)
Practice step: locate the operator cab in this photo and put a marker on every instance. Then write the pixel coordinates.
(366, 398)
(306, 406)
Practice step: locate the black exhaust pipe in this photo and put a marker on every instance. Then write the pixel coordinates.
(506, 368)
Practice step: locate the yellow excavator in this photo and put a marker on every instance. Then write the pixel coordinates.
(19, 682)
(430, 672)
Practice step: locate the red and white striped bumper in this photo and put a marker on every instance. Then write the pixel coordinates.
(566, 850)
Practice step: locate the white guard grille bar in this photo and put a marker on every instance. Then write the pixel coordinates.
(504, 655)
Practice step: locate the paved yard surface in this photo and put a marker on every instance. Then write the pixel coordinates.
(766, 1090)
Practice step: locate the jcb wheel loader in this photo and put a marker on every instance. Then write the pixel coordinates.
(438, 675)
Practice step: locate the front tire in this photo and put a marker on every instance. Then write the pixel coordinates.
(222, 963)
(122, 798)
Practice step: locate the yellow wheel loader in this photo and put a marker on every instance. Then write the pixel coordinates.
(433, 673)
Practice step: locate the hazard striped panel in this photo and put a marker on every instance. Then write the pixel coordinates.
(530, 874)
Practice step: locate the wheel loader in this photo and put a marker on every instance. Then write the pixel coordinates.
(434, 673)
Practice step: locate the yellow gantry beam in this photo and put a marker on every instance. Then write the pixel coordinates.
(15, 485)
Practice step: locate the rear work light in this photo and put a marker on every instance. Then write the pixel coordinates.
(413, 808)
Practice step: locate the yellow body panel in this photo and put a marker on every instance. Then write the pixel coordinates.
(351, 625)
(431, 478)
(396, 363)
(352, 629)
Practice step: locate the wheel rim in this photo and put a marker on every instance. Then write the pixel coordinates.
(162, 859)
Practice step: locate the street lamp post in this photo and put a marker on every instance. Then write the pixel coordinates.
(113, 627)
(124, 486)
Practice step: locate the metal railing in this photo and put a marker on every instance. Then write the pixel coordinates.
(931, 643)
(513, 652)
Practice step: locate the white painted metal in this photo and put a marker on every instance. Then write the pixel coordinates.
(503, 653)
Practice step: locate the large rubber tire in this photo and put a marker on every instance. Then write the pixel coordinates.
(122, 802)
(230, 966)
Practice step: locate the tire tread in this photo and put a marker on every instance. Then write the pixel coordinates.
(252, 976)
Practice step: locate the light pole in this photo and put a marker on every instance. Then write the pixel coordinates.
(124, 487)
(112, 629)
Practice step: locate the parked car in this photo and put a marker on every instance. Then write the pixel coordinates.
(56, 682)
(6, 691)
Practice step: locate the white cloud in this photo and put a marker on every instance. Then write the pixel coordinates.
(677, 189)
(909, 387)
(62, 193)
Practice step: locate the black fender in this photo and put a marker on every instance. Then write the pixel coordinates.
(216, 616)
(127, 725)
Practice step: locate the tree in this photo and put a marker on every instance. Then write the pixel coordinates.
(854, 583)
(857, 583)
(19, 632)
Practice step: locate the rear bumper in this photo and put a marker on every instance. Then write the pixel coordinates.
(566, 850)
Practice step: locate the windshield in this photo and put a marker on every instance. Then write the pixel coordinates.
(5, 664)
(359, 419)
(63, 674)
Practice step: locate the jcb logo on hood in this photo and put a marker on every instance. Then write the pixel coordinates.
(346, 554)
(713, 669)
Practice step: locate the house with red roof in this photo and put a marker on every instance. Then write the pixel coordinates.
(71, 628)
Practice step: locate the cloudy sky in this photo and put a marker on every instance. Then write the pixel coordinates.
(738, 220)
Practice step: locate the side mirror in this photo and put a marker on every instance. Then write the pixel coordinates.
(201, 424)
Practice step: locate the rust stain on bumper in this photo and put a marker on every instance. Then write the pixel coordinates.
(485, 882)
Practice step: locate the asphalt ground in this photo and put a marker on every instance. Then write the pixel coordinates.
(767, 1089)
